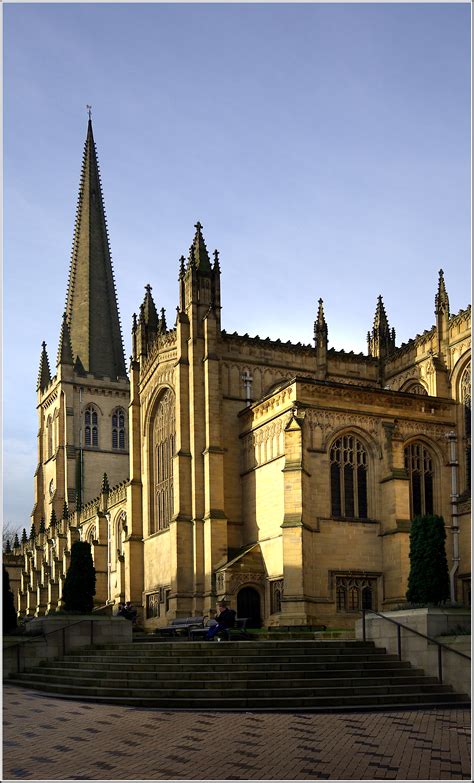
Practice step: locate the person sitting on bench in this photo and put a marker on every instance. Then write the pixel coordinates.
(225, 620)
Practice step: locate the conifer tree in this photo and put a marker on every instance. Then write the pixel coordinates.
(79, 585)
(428, 582)
(9, 613)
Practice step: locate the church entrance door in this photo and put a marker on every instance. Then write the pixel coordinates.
(248, 605)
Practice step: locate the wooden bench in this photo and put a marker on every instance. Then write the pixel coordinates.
(239, 631)
(182, 625)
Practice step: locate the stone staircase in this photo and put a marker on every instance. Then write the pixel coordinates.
(242, 675)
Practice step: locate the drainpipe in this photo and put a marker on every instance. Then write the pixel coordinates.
(453, 463)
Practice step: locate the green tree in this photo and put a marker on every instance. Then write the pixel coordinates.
(428, 582)
(9, 613)
(79, 585)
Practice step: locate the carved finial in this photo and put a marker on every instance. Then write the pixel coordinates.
(148, 288)
(182, 266)
(216, 261)
(89, 111)
(105, 483)
(198, 226)
(134, 322)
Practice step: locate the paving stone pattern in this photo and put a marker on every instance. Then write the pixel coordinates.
(54, 739)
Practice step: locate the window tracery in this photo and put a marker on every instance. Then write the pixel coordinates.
(118, 429)
(163, 440)
(348, 458)
(91, 426)
(355, 593)
(466, 403)
(417, 388)
(419, 467)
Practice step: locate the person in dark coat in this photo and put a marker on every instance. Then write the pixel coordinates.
(225, 620)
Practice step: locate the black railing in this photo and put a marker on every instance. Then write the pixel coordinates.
(63, 630)
(399, 625)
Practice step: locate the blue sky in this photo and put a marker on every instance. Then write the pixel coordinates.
(325, 148)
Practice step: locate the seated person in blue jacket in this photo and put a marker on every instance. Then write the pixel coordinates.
(225, 619)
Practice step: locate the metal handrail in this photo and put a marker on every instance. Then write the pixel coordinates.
(44, 634)
(400, 625)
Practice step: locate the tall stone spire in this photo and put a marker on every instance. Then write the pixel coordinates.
(441, 298)
(200, 256)
(320, 327)
(65, 355)
(442, 318)
(321, 341)
(44, 373)
(91, 307)
(381, 342)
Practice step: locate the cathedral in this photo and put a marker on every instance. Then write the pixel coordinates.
(282, 477)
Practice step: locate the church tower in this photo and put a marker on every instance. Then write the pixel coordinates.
(83, 408)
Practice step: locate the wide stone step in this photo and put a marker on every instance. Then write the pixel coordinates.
(346, 677)
(209, 660)
(235, 669)
(224, 649)
(248, 701)
(199, 688)
(290, 644)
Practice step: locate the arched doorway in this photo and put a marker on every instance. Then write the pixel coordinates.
(248, 605)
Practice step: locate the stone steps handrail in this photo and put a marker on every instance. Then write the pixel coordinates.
(400, 625)
(44, 634)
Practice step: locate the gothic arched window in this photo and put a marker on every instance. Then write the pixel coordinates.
(419, 466)
(417, 388)
(348, 478)
(163, 438)
(118, 429)
(91, 427)
(466, 403)
(49, 436)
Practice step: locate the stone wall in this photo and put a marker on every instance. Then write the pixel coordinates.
(420, 652)
(44, 639)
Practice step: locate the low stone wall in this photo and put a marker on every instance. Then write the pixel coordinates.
(51, 637)
(420, 652)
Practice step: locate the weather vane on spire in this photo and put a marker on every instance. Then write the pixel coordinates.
(89, 109)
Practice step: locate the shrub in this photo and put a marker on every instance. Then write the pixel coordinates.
(9, 613)
(79, 585)
(428, 582)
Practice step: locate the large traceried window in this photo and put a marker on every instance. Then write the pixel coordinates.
(118, 429)
(91, 426)
(419, 467)
(466, 403)
(348, 478)
(163, 439)
(355, 593)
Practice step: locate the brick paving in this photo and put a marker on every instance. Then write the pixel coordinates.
(54, 739)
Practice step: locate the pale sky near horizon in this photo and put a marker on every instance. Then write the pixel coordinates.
(324, 147)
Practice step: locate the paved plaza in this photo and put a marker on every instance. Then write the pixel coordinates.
(54, 739)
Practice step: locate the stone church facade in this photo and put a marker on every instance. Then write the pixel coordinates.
(282, 477)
